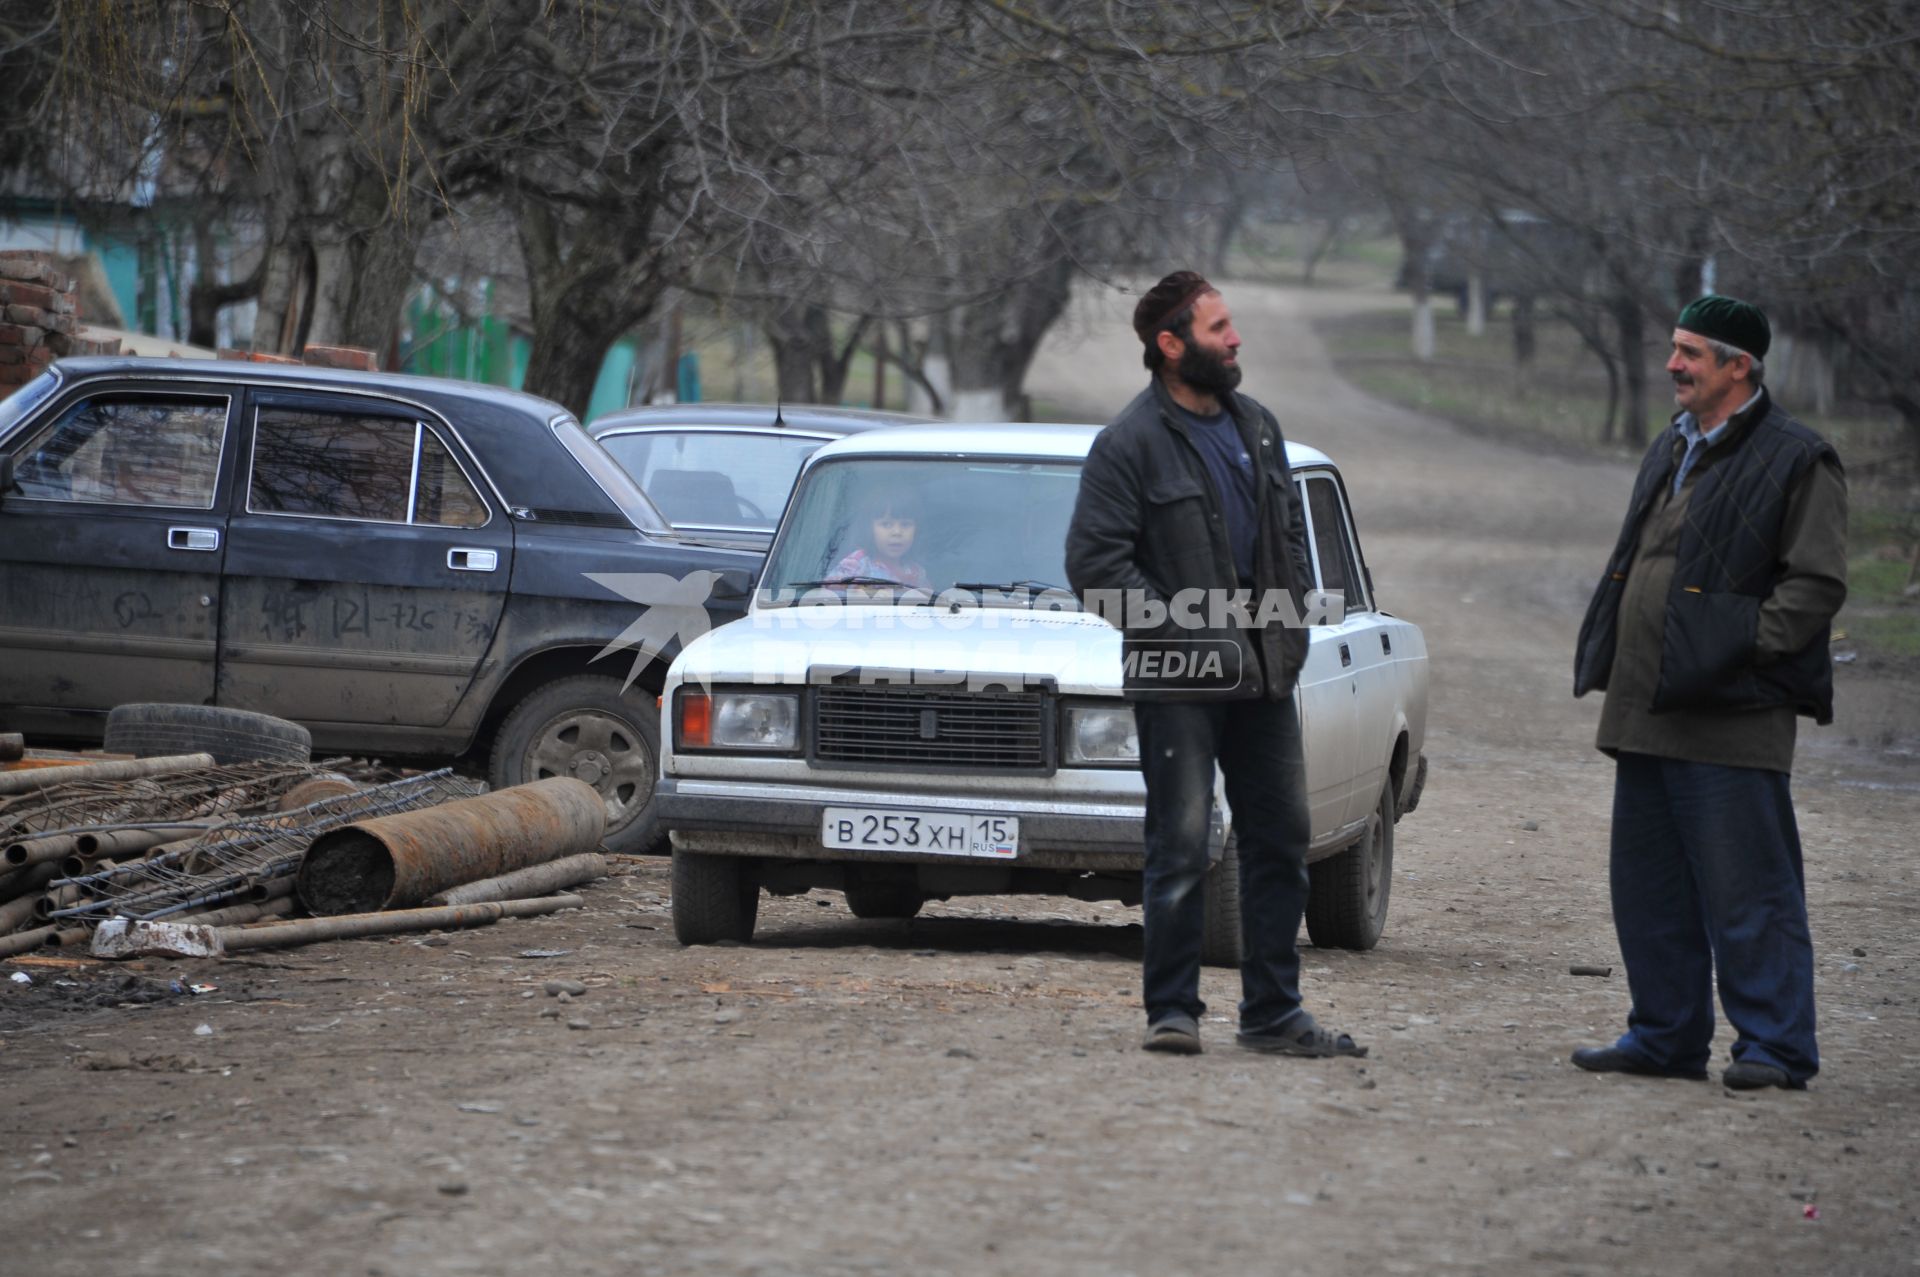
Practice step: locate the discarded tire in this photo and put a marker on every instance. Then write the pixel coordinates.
(230, 735)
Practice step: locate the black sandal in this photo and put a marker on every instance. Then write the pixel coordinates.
(1302, 1036)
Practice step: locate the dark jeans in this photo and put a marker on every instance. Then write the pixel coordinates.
(1706, 873)
(1257, 744)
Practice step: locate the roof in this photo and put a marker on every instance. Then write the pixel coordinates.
(822, 417)
(998, 439)
(304, 375)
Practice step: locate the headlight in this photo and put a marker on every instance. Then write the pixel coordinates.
(737, 720)
(1101, 735)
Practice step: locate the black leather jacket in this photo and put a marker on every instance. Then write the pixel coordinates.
(1148, 523)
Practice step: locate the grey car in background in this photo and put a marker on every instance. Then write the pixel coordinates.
(723, 472)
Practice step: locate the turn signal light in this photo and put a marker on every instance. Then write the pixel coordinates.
(696, 719)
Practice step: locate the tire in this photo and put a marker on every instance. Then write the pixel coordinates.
(149, 730)
(585, 728)
(869, 899)
(1220, 937)
(1347, 907)
(715, 898)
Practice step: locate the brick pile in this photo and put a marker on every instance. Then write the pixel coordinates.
(39, 319)
(352, 357)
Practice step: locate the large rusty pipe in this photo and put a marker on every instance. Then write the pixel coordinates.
(69, 937)
(125, 769)
(15, 912)
(27, 882)
(349, 926)
(40, 851)
(118, 844)
(23, 941)
(538, 880)
(395, 861)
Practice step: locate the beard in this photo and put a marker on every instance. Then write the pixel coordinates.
(1206, 371)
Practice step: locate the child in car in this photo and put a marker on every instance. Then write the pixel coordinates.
(892, 520)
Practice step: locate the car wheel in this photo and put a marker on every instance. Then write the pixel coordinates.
(148, 730)
(715, 898)
(1348, 905)
(586, 728)
(1220, 937)
(870, 899)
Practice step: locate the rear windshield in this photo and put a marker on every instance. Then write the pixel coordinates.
(606, 472)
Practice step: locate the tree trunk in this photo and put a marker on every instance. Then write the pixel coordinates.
(208, 296)
(1322, 244)
(1631, 322)
(1524, 337)
(1476, 304)
(588, 289)
(1226, 225)
(281, 268)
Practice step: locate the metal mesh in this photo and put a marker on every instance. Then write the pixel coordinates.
(236, 860)
(149, 801)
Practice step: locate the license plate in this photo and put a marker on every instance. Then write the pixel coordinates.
(942, 833)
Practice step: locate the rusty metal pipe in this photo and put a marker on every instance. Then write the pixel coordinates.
(56, 899)
(24, 941)
(40, 851)
(15, 912)
(234, 915)
(538, 880)
(395, 861)
(118, 844)
(69, 937)
(25, 782)
(27, 882)
(394, 922)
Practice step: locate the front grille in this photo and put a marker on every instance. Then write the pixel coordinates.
(920, 726)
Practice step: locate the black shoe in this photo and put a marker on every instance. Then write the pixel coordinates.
(1752, 1075)
(1611, 1059)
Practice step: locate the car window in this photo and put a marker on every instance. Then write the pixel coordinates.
(1332, 541)
(736, 479)
(928, 523)
(127, 449)
(445, 497)
(341, 465)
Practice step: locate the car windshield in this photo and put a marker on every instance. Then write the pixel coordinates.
(907, 530)
(714, 478)
(21, 403)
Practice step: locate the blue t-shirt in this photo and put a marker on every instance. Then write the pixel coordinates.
(1228, 461)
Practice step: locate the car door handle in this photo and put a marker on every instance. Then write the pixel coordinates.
(193, 538)
(1386, 645)
(465, 560)
(1346, 656)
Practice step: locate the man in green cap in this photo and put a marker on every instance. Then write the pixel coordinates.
(1709, 635)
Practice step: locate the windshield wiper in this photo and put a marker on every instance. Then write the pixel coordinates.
(1032, 588)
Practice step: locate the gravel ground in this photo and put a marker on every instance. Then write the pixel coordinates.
(963, 1093)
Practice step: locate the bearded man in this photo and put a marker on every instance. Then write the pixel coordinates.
(1709, 634)
(1189, 489)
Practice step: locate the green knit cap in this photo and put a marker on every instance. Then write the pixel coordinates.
(1739, 324)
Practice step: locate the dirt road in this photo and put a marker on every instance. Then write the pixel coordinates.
(963, 1094)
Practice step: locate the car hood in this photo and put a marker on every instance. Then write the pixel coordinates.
(1076, 652)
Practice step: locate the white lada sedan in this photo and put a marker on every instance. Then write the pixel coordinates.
(915, 707)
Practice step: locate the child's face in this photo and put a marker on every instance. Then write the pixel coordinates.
(892, 535)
